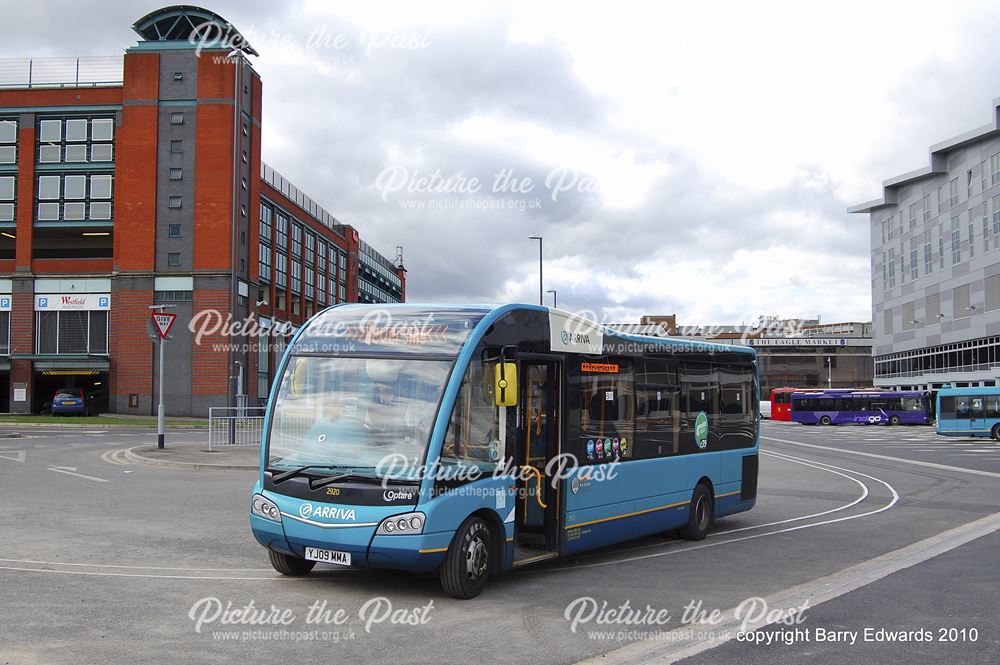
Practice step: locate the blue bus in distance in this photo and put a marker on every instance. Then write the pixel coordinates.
(969, 412)
(861, 407)
(469, 440)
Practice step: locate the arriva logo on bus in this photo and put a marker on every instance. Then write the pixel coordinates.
(307, 510)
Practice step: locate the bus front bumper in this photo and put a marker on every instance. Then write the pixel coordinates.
(419, 552)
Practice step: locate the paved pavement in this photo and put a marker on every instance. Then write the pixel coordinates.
(196, 455)
(106, 559)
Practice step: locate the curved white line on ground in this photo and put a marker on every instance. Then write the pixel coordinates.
(895, 499)
(864, 495)
(902, 460)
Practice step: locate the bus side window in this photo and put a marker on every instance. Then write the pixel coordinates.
(993, 406)
(947, 407)
(473, 432)
(962, 407)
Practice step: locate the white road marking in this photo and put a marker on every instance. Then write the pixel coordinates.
(787, 458)
(115, 457)
(13, 455)
(689, 643)
(71, 471)
(943, 467)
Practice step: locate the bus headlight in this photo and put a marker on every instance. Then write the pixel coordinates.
(261, 506)
(405, 524)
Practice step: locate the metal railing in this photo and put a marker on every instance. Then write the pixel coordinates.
(91, 72)
(298, 197)
(234, 426)
(980, 367)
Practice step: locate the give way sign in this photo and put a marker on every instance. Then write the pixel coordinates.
(163, 322)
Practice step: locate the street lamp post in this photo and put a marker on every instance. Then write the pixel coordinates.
(555, 301)
(829, 372)
(541, 299)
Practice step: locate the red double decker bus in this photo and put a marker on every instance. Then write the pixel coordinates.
(781, 401)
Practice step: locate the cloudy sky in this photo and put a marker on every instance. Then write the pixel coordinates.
(683, 158)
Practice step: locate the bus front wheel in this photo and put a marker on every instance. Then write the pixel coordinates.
(292, 566)
(894, 420)
(996, 432)
(701, 514)
(466, 566)
(825, 420)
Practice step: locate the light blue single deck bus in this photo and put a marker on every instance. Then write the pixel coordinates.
(469, 440)
(969, 412)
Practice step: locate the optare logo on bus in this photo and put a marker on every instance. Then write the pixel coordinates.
(307, 510)
(701, 430)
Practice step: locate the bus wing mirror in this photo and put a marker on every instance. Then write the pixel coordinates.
(505, 384)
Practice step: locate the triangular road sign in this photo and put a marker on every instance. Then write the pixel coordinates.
(163, 321)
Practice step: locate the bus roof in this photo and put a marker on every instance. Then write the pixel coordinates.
(444, 328)
(861, 393)
(975, 390)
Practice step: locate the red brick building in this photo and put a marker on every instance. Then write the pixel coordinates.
(138, 181)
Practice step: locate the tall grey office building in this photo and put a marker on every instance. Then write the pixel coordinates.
(936, 267)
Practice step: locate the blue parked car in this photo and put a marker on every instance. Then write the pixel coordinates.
(70, 401)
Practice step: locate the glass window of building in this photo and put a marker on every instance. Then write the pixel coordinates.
(281, 230)
(8, 141)
(265, 222)
(75, 140)
(296, 277)
(264, 262)
(8, 192)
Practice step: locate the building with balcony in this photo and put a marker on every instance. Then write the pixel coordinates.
(137, 181)
(935, 242)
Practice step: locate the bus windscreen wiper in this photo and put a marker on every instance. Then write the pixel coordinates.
(316, 483)
(291, 473)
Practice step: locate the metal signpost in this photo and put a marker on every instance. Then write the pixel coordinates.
(163, 321)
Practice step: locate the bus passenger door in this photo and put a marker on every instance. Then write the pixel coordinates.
(977, 414)
(536, 531)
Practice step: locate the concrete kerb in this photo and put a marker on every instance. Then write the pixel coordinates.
(93, 426)
(134, 456)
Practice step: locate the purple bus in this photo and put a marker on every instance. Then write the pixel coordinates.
(862, 407)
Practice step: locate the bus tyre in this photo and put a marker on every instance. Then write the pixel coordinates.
(996, 432)
(466, 566)
(825, 420)
(292, 566)
(894, 420)
(701, 514)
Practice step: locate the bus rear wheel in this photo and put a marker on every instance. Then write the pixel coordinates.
(894, 420)
(292, 566)
(996, 432)
(825, 420)
(466, 566)
(701, 514)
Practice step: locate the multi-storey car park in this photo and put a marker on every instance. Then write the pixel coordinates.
(137, 180)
